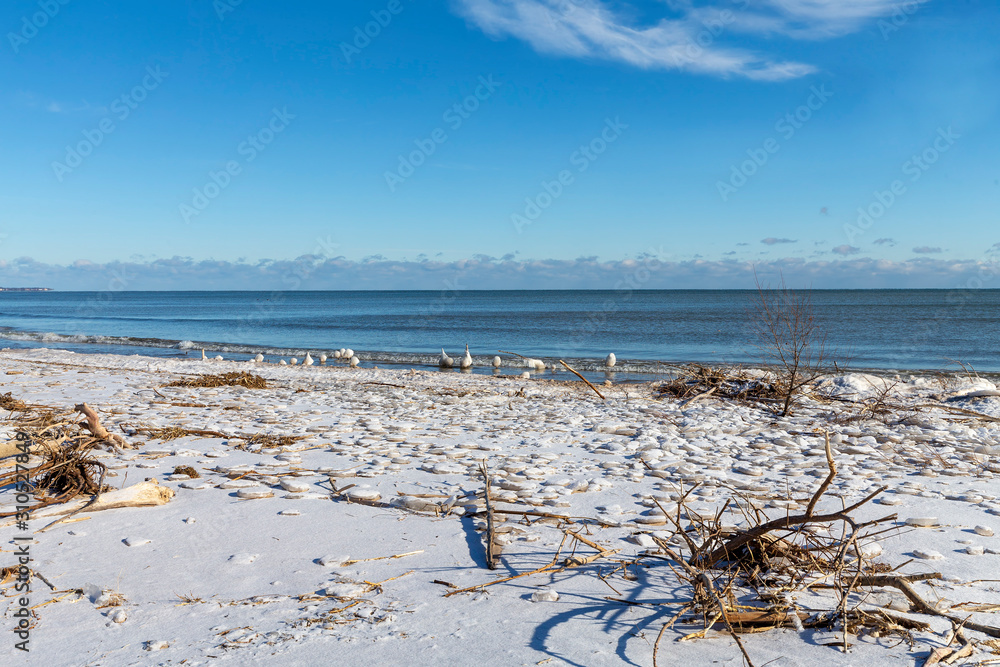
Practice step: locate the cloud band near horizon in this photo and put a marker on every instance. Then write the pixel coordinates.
(311, 272)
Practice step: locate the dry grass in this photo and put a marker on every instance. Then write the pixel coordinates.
(169, 433)
(165, 434)
(234, 379)
(8, 402)
(269, 441)
(190, 598)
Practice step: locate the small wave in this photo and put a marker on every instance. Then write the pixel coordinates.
(235, 350)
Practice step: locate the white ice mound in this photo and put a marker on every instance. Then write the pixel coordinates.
(856, 386)
(345, 590)
(975, 388)
(545, 595)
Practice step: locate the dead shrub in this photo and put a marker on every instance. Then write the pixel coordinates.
(789, 339)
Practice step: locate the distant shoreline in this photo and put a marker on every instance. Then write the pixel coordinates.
(489, 289)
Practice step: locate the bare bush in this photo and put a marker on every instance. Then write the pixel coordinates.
(789, 339)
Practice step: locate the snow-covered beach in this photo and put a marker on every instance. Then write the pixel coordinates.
(271, 554)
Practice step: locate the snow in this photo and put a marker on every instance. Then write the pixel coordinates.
(271, 569)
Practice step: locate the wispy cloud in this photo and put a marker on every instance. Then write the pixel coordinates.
(885, 241)
(927, 250)
(686, 37)
(846, 250)
(591, 29)
(814, 19)
(770, 240)
(313, 272)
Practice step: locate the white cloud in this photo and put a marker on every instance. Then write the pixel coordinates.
(318, 273)
(688, 38)
(846, 250)
(589, 29)
(815, 19)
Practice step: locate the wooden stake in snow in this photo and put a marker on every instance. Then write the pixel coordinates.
(492, 548)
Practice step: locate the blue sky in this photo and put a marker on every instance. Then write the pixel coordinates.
(550, 143)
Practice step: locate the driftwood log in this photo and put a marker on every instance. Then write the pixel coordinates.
(143, 494)
(94, 426)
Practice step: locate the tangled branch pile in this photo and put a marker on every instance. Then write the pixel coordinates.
(234, 379)
(695, 381)
(809, 570)
(66, 466)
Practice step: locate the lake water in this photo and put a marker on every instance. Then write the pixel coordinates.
(890, 329)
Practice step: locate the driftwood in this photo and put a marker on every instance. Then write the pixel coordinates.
(698, 396)
(902, 583)
(709, 588)
(11, 448)
(94, 426)
(577, 561)
(143, 494)
(582, 378)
